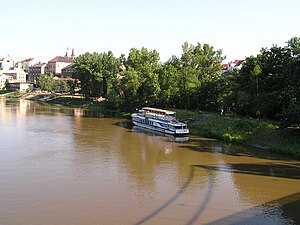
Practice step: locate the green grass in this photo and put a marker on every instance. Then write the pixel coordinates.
(74, 102)
(287, 141)
(227, 128)
(248, 131)
(184, 114)
(14, 94)
(4, 92)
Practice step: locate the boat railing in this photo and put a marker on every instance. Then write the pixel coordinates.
(158, 115)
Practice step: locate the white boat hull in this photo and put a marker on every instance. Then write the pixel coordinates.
(160, 125)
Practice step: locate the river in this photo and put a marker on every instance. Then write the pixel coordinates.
(65, 166)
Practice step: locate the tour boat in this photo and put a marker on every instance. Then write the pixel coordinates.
(159, 120)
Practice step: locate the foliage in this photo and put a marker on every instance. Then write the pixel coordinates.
(14, 94)
(185, 114)
(267, 86)
(96, 72)
(48, 83)
(4, 92)
(45, 82)
(129, 86)
(169, 86)
(199, 67)
(28, 90)
(146, 66)
(232, 129)
(6, 85)
(291, 115)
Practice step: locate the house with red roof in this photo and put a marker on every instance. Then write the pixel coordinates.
(56, 64)
(231, 66)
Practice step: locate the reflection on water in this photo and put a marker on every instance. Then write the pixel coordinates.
(62, 165)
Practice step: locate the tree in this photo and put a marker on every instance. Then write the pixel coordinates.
(62, 86)
(95, 72)
(129, 86)
(6, 84)
(291, 112)
(188, 80)
(169, 86)
(199, 65)
(291, 115)
(45, 82)
(146, 65)
(271, 80)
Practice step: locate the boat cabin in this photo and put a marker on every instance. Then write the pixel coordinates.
(158, 113)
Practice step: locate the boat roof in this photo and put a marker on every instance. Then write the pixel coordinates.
(158, 110)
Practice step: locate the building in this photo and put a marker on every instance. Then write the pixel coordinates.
(35, 71)
(6, 63)
(232, 66)
(25, 64)
(236, 64)
(55, 65)
(68, 71)
(224, 68)
(19, 86)
(14, 75)
(58, 63)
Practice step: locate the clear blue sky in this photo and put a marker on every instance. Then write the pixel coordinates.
(43, 29)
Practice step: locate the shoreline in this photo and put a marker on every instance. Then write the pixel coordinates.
(232, 129)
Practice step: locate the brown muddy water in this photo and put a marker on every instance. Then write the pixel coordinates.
(62, 166)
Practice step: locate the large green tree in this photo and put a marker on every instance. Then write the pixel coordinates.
(96, 72)
(169, 86)
(46, 82)
(129, 85)
(199, 66)
(146, 65)
(269, 83)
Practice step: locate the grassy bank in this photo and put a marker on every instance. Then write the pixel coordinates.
(3, 92)
(262, 134)
(75, 101)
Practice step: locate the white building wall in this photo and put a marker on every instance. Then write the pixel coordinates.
(16, 75)
(6, 63)
(60, 66)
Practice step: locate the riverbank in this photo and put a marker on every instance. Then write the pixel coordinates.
(265, 135)
(77, 101)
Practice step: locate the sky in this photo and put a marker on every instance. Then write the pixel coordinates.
(43, 29)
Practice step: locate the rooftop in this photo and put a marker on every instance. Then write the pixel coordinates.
(65, 59)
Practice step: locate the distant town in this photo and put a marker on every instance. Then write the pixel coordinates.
(22, 75)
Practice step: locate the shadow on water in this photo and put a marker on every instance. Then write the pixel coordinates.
(124, 124)
(280, 211)
(266, 213)
(289, 210)
(216, 146)
(266, 169)
(182, 189)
